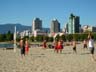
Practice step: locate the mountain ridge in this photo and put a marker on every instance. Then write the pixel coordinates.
(4, 28)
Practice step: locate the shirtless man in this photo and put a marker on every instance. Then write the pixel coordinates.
(74, 46)
(22, 47)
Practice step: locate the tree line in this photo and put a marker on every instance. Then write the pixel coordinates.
(6, 37)
(40, 38)
(64, 37)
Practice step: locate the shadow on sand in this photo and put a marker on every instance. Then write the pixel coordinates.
(85, 53)
(67, 53)
(38, 55)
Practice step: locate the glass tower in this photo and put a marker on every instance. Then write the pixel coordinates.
(73, 25)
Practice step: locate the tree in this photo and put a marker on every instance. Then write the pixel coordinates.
(18, 38)
(63, 37)
(84, 36)
(39, 38)
(76, 36)
(9, 36)
(57, 37)
(69, 37)
(94, 34)
(32, 38)
(45, 38)
(50, 39)
(2, 37)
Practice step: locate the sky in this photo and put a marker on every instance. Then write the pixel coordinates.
(24, 11)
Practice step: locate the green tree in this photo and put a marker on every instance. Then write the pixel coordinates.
(79, 37)
(9, 36)
(50, 39)
(45, 38)
(69, 37)
(2, 37)
(63, 37)
(32, 38)
(39, 38)
(18, 38)
(76, 36)
(57, 37)
(84, 36)
(94, 34)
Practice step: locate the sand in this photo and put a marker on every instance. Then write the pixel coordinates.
(46, 60)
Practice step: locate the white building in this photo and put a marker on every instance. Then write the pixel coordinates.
(39, 32)
(89, 28)
(25, 33)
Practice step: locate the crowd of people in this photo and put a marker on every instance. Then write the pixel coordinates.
(87, 43)
(59, 45)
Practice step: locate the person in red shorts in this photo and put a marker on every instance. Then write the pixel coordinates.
(44, 44)
(55, 45)
(26, 47)
(59, 47)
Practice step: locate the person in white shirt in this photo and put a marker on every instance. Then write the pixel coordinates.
(91, 47)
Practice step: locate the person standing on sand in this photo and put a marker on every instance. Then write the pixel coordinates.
(44, 44)
(91, 47)
(85, 43)
(89, 35)
(59, 47)
(55, 45)
(74, 46)
(22, 47)
(62, 42)
(26, 47)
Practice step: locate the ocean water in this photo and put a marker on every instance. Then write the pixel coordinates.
(6, 45)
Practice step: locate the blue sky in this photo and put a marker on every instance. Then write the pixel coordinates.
(24, 11)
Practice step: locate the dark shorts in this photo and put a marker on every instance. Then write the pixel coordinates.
(85, 46)
(61, 46)
(92, 50)
(23, 50)
(74, 48)
(45, 46)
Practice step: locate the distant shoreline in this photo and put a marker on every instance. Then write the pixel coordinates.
(6, 42)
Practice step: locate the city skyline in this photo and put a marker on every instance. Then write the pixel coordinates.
(24, 11)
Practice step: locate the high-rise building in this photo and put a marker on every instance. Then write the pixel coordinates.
(37, 24)
(73, 24)
(55, 26)
(66, 28)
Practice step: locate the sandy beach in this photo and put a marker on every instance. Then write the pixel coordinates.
(46, 60)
